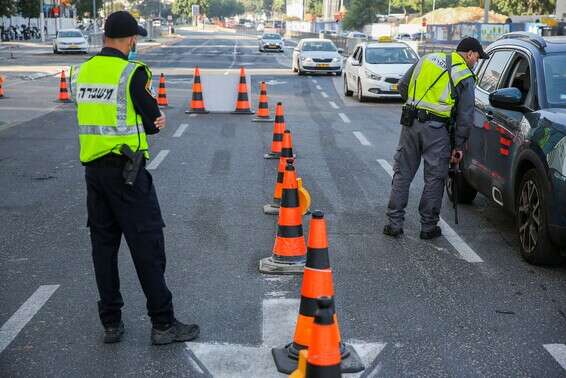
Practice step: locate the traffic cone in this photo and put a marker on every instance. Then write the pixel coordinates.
(317, 282)
(197, 102)
(286, 153)
(2, 79)
(262, 114)
(289, 250)
(278, 130)
(324, 353)
(162, 93)
(302, 368)
(63, 91)
(242, 103)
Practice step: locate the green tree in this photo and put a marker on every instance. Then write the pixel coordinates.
(28, 8)
(224, 8)
(523, 7)
(84, 7)
(7, 8)
(363, 12)
(182, 8)
(314, 7)
(252, 6)
(278, 7)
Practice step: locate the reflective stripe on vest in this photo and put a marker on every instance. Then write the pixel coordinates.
(437, 99)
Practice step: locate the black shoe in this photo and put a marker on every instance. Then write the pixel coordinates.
(390, 231)
(176, 332)
(113, 334)
(432, 234)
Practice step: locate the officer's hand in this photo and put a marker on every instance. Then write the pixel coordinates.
(160, 121)
(456, 157)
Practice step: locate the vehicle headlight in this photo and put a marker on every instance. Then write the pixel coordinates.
(307, 60)
(371, 75)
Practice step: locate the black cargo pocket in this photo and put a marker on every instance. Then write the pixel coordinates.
(397, 159)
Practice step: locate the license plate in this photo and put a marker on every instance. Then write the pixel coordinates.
(272, 45)
(323, 65)
(74, 46)
(394, 87)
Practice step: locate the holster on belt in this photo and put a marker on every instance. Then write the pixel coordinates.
(408, 115)
(132, 167)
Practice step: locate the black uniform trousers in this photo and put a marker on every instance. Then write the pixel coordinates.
(116, 209)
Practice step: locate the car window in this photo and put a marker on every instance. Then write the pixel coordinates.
(355, 53)
(480, 69)
(555, 80)
(494, 69)
(390, 55)
(519, 76)
(319, 46)
(358, 56)
(69, 34)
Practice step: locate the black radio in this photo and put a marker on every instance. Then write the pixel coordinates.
(408, 115)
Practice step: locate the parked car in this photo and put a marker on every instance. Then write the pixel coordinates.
(70, 40)
(317, 55)
(357, 35)
(375, 68)
(271, 41)
(516, 153)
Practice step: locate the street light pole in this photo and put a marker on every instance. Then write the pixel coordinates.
(486, 12)
(94, 15)
(41, 21)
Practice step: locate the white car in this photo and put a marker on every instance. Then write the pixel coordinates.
(271, 41)
(317, 55)
(357, 35)
(375, 68)
(70, 40)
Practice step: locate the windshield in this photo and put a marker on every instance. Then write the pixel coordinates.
(555, 78)
(319, 46)
(390, 55)
(271, 36)
(70, 34)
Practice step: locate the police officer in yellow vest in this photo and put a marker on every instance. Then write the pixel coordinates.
(439, 86)
(115, 111)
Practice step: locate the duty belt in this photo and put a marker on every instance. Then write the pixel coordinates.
(425, 116)
(109, 161)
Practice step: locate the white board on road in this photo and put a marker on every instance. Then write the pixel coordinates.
(220, 92)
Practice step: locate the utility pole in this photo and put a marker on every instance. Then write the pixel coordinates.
(486, 12)
(94, 16)
(41, 21)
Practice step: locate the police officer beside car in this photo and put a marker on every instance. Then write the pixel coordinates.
(115, 112)
(439, 99)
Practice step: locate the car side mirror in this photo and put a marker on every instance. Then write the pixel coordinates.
(356, 62)
(507, 98)
(296, 49)
(340, 51)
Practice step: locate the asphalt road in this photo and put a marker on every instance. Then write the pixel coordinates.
(463, 305)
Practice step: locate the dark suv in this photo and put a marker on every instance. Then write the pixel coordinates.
(516, 154)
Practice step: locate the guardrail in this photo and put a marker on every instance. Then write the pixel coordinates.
(95, 41)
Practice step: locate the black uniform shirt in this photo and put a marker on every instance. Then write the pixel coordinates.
(465, 91)
(144, 103)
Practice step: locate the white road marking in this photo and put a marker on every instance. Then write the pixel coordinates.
(362, 138)
(233, 58)
(558, 352)
(319, 87)
(333, 104)
(463, 249)
(25, 313)
(154, 163)
(344, 118)
(192, 115)
(180, 130)
(314, 81)
(324, 94)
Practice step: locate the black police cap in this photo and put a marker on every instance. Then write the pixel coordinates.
(471, 44)
(122, 24)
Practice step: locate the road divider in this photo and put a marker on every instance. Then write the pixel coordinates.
(154, 163)
(361, 138)
(180, 130)
(24, 314)
(463, 249)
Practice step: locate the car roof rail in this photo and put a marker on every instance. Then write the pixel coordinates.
(533, 38)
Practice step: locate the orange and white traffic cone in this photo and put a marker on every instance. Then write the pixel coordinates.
(242, 103)
(317, 282)
(162, 93)
(289, 249)
(278, 130)
(63, 90)
(197, 102)
(262, 114)
(2, 79)
(324, 359)
(285, 157)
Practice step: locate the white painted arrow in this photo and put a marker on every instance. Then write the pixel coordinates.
(222, 360)
(275, 82)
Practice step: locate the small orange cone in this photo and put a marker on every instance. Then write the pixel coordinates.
(289, 250)
(63, 91)
(317, 282)
(162, 93)
(2, 79)
(262, 114)
(285, 157)
(197, 102)
(324, 359)
(242, 103)
(278, 130)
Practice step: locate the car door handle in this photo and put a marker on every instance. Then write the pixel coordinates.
(489, 116)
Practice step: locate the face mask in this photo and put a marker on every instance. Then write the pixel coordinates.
(133, 55)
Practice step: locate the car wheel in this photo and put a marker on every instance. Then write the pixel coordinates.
(347, 92)
(361, 97)
(55, 50)
(532, 225)
(301, 72)
(466, 193)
